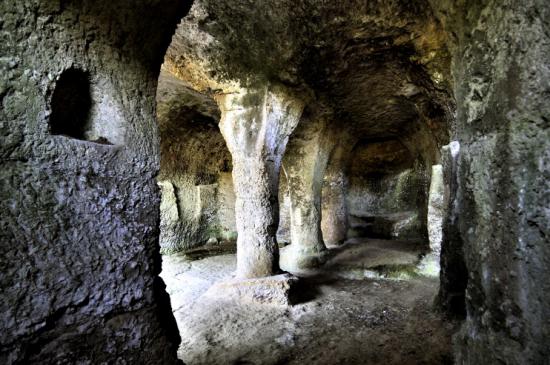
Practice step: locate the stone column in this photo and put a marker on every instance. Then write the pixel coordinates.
(335, 212)
(437, 211)
(256, 125)
(334, 222)
(453, 272)
(437, 204)
(304, 167)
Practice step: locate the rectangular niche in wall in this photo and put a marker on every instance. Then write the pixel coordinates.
(71, 104)
(82, 110)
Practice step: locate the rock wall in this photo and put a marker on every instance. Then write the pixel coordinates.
(394, 203)
(502, 74)
(387, 194)
(453, 274)
(437, 208)
(380, 195)
(79, 150)
(79, 201)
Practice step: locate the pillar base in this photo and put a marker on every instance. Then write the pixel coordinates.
(296, 259)
(270, 290)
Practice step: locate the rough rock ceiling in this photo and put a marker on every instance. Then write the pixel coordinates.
(379, 65)
(191, 140)
(381, 157)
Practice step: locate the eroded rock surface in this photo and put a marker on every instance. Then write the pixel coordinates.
(388, 191)
(79, 248)
(501, 194)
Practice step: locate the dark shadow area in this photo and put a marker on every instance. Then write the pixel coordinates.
(71, 104)
(305, 290)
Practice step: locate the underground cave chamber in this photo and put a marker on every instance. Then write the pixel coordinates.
(216, 182)
(370, 201)
(336, 192)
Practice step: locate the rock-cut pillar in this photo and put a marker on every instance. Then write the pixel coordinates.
(304, 167)
(256, 125)
(334, 223)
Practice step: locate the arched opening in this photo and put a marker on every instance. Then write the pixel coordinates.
(353, 201)
(386, 204)
(197, 209)
(195, 172)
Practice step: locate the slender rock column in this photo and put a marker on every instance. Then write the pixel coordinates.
(437, 206)
(438, 201)
(256, 125)
(334, 223)
(304, 167)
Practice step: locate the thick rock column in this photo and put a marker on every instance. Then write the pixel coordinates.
(256, 125)
(304, 167)
(335, 212)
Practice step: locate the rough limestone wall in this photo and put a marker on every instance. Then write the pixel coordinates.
(202, 217)
(382, 195)
(397, 201)
(437, 205)
(453, 274)
(502, 76)
(388, 191)
(79, 222)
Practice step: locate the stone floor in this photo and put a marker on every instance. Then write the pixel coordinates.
(370, 304)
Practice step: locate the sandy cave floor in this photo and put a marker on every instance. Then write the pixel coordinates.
(366, 305)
